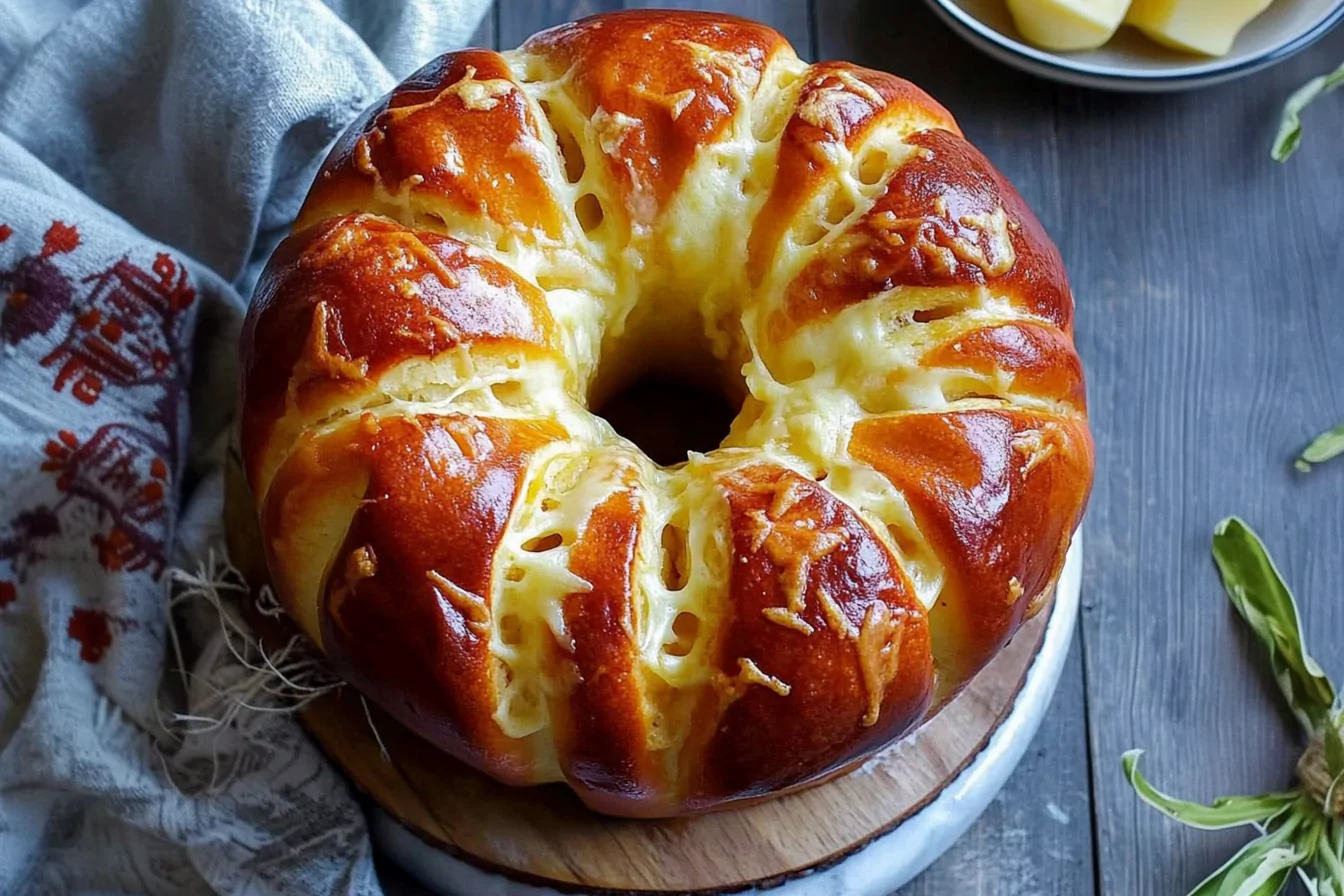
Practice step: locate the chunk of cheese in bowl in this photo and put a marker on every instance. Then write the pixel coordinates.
(1207, 27)
(1069, 24)
(1195, 26)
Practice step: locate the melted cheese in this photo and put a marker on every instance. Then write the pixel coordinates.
(531, 576)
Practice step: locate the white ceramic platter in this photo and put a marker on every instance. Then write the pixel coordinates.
(1131, 62)
(885, 864)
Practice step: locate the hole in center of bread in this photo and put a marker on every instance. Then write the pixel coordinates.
(667, 418)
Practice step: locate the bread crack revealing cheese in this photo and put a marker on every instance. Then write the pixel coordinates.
(505, 240)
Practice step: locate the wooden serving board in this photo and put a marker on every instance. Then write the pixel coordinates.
(545, 835)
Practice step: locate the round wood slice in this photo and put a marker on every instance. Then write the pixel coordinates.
(545, 835)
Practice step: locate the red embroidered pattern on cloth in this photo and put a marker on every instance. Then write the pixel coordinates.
(125, 331)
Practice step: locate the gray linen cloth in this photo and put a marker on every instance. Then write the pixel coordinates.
(151, 154)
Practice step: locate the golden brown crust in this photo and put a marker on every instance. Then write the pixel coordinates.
(1039, 359)
(826, 654)
(658, 85)
(601, 730)
(839, 104)
(495, 568)
(407, 599)
(457, 133)
(998, 492)
(341, 303)
(948, 218)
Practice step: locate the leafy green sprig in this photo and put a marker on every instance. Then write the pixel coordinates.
(1326, 446)
(1290, 129)
(1302, 829)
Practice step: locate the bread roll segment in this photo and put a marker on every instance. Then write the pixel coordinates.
(508, 239)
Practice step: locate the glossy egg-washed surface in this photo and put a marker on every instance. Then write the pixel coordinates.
(505, 237)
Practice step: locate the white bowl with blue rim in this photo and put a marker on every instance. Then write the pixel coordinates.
(1131, 61)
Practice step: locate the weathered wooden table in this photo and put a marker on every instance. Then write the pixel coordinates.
(1210, 288)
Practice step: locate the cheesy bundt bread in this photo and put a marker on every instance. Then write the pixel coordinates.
(508, 239)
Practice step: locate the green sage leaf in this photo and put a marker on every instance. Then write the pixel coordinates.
(1326, 446)
(1224, 812)
(1253, 871)
(1290, 128)
(1320, 886)
(1315, 887)
(1260, 868)
(1257, 590)
(1330, 860)
(1329, 865)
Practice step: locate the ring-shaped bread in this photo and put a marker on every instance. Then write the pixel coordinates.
(505, 240)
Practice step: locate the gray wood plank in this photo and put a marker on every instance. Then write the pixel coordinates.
(487, 34)
(1034, 840)
(1209, 314)
(1020, 845)
(519, 19)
